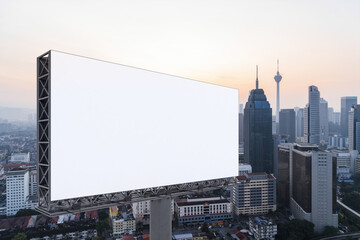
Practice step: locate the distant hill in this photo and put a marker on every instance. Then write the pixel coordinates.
(16, 114)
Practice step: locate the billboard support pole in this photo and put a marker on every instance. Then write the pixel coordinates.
(160, 218)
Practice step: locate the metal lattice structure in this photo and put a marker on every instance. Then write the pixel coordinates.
(54, 208)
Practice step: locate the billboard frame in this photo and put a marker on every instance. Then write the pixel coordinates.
(80, 204)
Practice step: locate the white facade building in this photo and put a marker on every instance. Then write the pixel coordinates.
(17, 190)
(142, 209)
(20, 158)
(263, 228)
(244, 168)
(124, 224)
(254, 193)
(203, 210)
(343, 173)
(313, 186)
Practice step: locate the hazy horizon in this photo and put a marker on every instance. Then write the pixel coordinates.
(317, 43)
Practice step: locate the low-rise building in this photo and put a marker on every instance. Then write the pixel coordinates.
(203, 210)
(123, 224)
(142, 209)
(20, 158)
(254, 193)
(343, 173)
(262, 228)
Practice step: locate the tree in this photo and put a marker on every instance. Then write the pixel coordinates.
(330, 231)
(103, 214)
(295, 230)
(26, 212)
(353, 228)
(205, 228)
(352, 200)
(20, 236)
(101, 226)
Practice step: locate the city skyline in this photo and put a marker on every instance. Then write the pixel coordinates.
(207, 41)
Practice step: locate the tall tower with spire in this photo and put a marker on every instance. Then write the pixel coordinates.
(258, 142)
(277, 78)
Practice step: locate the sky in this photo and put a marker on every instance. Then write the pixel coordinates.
(221, 42)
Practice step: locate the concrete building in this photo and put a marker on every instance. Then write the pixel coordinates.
(141, 210)
(339, 142)
(324, 121)
(263, 228)
(123, 224)
(331, 114)
(32, 182)
(343, 159)
(354, 128)
(19, 158)
(343, 173)
(17, 190)
(299, 122)
(312, 117)
(312, 183)
(357, 164)
(337, 117)
(287, 124)
(258, 144)
(203, 210)
(244, 168)
(254, 193)
(346, 104)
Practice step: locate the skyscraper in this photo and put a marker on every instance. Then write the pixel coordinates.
(287, 123)
(324, 121)
(312, 117)
(346, 104)
(258, 144)
(277, 78)
(299, 122)
(354, 128)
(331, 114)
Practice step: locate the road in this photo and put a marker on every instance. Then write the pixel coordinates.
(352, 211)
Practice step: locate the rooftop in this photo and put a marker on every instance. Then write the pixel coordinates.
(202, 202)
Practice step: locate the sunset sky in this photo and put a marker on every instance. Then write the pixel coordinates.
(317, 42)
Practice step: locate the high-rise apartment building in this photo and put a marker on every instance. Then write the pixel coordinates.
(346, 104)
(354, 128)
(17, 190)
(258, 144)
(254, 193)
(312, 117)
(312, 183)
(287, 124)
(324, 121)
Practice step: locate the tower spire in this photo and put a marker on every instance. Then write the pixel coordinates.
(257, 80)
(278, 66)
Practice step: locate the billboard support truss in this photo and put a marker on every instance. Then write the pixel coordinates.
(54, 208)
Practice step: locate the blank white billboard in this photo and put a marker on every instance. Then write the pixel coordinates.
(118, 128)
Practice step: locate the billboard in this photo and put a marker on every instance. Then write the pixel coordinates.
(116, 128)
